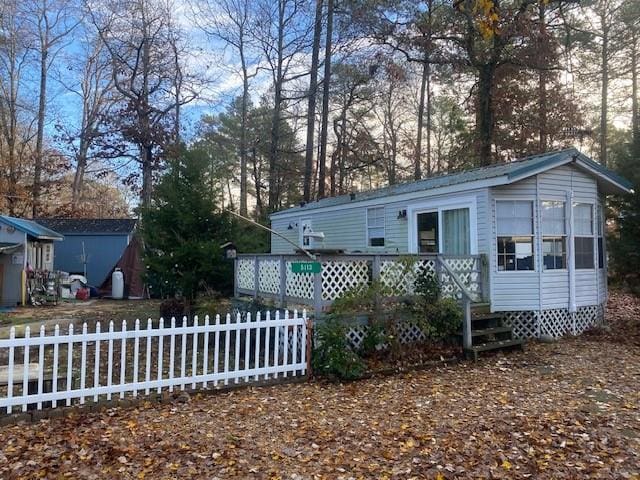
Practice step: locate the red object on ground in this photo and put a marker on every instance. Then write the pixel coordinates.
(82, 294)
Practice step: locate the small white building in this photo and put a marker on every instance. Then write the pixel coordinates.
(25, 246)
(536, 223)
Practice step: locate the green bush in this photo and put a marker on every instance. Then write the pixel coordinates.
(374, 337)
(332, 356)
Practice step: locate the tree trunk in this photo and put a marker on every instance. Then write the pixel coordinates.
(485, 114)
(147, 175)
(42, 107)
(78, 178)
(325, 106)
(542, 83)
(417, 166)
(428, 94)
(243, 134)
(604, 106)
(635, 118)
(311, 108)
(275, 121)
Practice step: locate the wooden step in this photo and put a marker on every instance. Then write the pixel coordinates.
(480, 332)
(490, 346)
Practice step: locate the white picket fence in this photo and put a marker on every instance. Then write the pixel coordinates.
(74, 367)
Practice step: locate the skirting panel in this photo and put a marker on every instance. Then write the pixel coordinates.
(553, 323)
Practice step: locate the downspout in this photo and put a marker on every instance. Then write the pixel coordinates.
(538, 234)
(23, 283)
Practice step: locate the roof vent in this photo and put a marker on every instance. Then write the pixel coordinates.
(352, 195)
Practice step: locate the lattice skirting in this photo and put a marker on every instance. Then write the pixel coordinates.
(407, 333)
(553, 323)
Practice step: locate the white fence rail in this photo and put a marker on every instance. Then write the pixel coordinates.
(68, 368)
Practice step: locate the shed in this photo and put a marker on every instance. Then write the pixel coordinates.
(91, 246)
(25, 246)
(538, 223)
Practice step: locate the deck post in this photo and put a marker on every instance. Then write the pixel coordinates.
(376, 267)
(466, 326)
(283, 281)
(235, 277)
(256, 276)
(317, 292)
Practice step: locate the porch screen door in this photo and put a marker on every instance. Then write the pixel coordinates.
(456, 235)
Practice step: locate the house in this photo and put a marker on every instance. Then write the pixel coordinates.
(91, 247)
(25, 246)
(537, 224)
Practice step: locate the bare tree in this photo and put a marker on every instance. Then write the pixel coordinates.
(139, 40)
(53, 21)
(232, 22)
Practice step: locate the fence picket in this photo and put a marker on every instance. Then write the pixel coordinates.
(276, 346)
(110, 359)
(236, 351)
(136, 352)
(12, 336)
(267, 346)
(257, 346)
(41, 365)
(294, 350)
(216, 350)
(247, 345)
(194, 356)
(227, 334)
(69, 364)
(259, 360)
(123, 357)
(83, 362)
(147, 372)
(285, 360)
(160, 352)
(172, 351)
(305, 341)
(183, 355)
(205, 350)
(25, 369)
(96, 365)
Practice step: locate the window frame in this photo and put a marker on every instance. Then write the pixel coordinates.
(577, 236)
(555, 236)
(533, 235)
(600, 229)
(370, 227)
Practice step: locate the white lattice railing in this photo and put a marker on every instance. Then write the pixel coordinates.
(272, 277)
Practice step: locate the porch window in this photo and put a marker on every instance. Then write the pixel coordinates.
(583, 241)
(375, 227)
(554, 251)
(514, 225)
(600, 237)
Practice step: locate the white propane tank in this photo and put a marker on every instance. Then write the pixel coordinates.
(117, 284)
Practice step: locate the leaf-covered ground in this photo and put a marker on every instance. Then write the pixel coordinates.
(570, 409)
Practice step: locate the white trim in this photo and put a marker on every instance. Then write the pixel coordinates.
(604, 178)
(301, 225)
(534, 234)
(467, 188)
(367, 227)
(439, 205)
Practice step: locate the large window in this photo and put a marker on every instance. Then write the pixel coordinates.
(583, 231)
(554, 251)
(375, 227)
(514, 220)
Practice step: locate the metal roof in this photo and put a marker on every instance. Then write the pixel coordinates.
(31, 228)
(511, 172)
(88, 226)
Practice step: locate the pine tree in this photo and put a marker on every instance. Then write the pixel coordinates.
(183, 232)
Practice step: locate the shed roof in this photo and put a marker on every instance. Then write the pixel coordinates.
(31, 228)
(505, 173)
(88, 226)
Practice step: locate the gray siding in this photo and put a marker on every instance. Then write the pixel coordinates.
(347, 228)
(545, 289)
